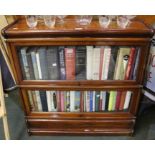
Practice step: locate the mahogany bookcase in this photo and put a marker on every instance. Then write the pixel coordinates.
(136, 34)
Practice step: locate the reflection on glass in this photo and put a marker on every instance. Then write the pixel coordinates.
(31, 21)
(49, 21)
(104, 21)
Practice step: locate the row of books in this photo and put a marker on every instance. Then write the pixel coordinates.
(79, 101)
(79, 62)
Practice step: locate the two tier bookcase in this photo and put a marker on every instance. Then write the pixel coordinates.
(79, 80)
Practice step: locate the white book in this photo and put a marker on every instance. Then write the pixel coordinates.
(127, 100)
(72, 99)
(38, 100)
(89, 62)
(96, 64)
(49, 100)
(106, 61)
(38, 65)
(87, 101)
(35, 64)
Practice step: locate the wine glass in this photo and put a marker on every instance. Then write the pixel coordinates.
(61, 18)
(31, 21)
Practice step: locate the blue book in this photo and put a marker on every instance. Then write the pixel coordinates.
(91, 101)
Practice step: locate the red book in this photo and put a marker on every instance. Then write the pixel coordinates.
(70, 63)
(62, 101)
(122, 101)
(58, 99)
(101, 62)
(118, 100)
(130, 62)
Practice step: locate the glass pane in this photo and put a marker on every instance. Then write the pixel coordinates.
(79, 101)
(79, 62)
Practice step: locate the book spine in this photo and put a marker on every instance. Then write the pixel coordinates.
(118, 100)
(122, 101)
(38, 101)
(68, 101)
(127, 100)
(97, 100)
(43, 62)
(91, 101)
(30, 64)
(49, 100)
(70, 63)
(77, 101)
(32, 107)
(89, 62)
(107, 100)
(87, 101)
(82, 101)
(52, 63)
(114, 101)
(58, 101)
(103, 100)
(35, 100)
(35, 65)
(107, 55)
(43, 100)
(111, 100)
(130, 62)
(62, 101)
(101, 62)
(72, 99)
(80, 71)
(94, 100)
(62, 63)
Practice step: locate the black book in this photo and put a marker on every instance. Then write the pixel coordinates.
(62, 63)
(80, 70)
(52, 61)
(30, 63)
(107, 100)
(112, 63)
(43, 100)
(43, 62)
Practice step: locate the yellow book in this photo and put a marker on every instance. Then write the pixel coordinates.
(111, 100)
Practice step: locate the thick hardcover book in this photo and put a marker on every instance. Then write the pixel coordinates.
(24, 63)
(90, 51)
(106, 60)
(72, 99)
(112, 63)
(111, 100)
(62, 101)
(62, 70)
(55, 100)
(114, 101)
(130, 62)
(107, 100)
(43, 62)
(77, 101)
(121, 63)
(43, 100)
(30, 64)
(80, 71)
(70, 63)
(122, 101)
(97, 100)
(118, 100)
(52, 63)
(58, 100)
(34, 62)
(101, 62)
(127, 100)
(96, 63)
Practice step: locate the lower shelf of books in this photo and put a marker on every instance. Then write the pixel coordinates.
(78, 101)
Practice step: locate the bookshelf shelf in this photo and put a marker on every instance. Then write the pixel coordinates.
(75, 81)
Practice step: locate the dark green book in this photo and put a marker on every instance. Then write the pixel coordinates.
(43, 100)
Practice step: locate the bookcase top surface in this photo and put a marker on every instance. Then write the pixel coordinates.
(19, 29)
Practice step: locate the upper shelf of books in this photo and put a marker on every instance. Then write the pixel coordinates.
(20, 29)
